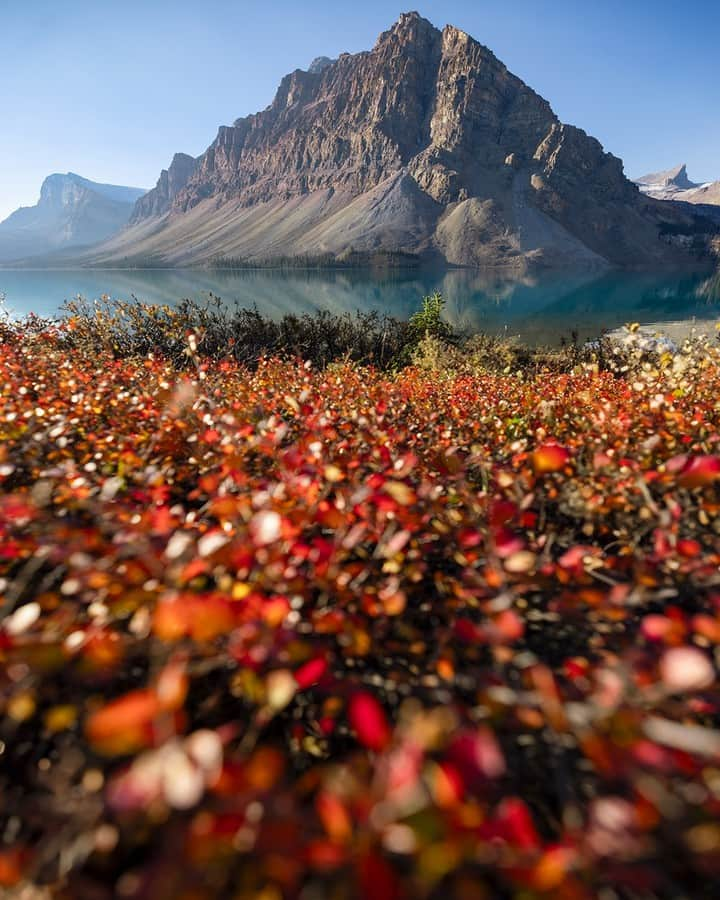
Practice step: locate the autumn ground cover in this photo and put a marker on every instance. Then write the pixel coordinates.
(290, 632)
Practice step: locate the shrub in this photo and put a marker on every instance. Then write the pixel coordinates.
(135, 329)
(132, 329)
(338, 634)
(244, 335)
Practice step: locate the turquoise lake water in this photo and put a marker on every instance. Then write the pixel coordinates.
(537, 309)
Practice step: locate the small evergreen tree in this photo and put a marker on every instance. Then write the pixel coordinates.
(428, 321)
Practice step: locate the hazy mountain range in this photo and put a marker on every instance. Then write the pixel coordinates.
(71, 212)
(425, 145)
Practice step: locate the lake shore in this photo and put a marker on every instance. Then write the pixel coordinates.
(542, 309)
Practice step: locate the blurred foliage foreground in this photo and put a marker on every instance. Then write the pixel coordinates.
(272, 629)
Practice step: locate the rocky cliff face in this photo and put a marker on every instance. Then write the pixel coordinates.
(171, 181)
(71, 212)
(426, 144)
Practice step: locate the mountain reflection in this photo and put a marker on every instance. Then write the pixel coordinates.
(539, 309)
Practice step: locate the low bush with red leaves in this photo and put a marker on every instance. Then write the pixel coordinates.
(324, 634)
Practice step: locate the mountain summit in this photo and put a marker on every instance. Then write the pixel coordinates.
(71, 212)
(674, 184)
(171, 181)
(676, 179)
(425, 144)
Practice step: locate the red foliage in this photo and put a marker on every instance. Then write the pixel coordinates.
(341, 633)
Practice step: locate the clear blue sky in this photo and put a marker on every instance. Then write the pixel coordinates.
(112, 88)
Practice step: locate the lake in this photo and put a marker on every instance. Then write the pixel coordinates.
(540, 310)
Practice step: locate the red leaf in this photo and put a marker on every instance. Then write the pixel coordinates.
(700, 471)
(517, 824)
(311, 672)
(368, 720)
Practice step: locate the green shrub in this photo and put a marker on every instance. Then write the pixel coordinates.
(429, 321)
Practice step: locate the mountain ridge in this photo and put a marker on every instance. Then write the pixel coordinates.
(425, 145)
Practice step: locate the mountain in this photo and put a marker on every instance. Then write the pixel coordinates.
(704, 194)
(172, 180)
(320, 63)
(71, 212)
(675, 185)
(672, 180)
(425, 145)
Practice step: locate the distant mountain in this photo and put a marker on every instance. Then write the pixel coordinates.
(71, 212)
(671, 180)
(425, 145)
(675, 185)
(704, 194)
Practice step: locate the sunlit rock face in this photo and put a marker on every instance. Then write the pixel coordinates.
(425, 144)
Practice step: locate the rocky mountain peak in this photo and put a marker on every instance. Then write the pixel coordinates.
(677, 177)
(410, 28)
(319, 64)
(457, 35)
(65, 189)
(425, 144)
(171, 181)
(680, 177)
(60, 190)
(55, 189)
(180, 159)
(412, 23)
(674, 184)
